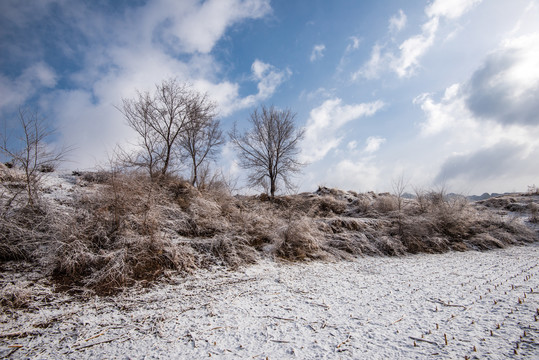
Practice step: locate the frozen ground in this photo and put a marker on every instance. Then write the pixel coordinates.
(454, 305)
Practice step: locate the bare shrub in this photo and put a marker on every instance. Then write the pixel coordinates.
(299, 240)
(31, 153)
(232, 251)
(484, 241)
(385, 203)
(15, 297)
(113, 239)
(329, 204)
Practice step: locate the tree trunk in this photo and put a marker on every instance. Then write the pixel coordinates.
(272, 189)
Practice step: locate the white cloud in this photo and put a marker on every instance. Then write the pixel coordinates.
(140, 49)
(322, 129)
(450, 9)
(372, 68)
(413, 48)
(397, 22)
(506, 88)
(318, 52)
(195, 26)
(268, 78)
(405, 60)
(354, 45)
(357, 175)
(486, 128)
(373, 144)
(352, 145)
(14, 92)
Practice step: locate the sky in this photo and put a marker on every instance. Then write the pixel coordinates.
(441, 93)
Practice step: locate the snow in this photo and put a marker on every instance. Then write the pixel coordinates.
(484, 303)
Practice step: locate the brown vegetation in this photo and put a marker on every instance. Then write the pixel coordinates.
(120, 228)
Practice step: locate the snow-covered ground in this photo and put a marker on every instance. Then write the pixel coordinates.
(474, 304)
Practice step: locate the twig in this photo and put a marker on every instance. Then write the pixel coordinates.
(446, 304)
(98, 343)
(345, 341)
(278, 317)
(427, 341)
(15, 348)
(19, 334)
(322, 305)
(396, 321)
(280, 341)
(95, 336)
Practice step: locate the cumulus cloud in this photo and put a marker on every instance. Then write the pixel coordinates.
(506, 88)
(198, 26)
(318, 52)
(322, 129)
(14, 92)
(413, 48)
(358, 175)
(491, 119)
(500, 160)
(128, 49)
(373, 144)
(405, 60)
(397, 22)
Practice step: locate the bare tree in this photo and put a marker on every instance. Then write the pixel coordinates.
(159, 120)
(269, 150)
(31, 152)
(139, 114)
(202, 136)
(173, 120)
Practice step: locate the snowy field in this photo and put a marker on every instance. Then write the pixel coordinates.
(457, 305)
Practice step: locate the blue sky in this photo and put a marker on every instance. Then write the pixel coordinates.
(438, 91)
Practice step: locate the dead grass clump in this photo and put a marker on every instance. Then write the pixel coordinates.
(113, 239)
(299, 240)
(231, 251)
(130, 260)
(385, 203)
(350, 244)
(182, 191)
(15, 297)
(23, 230)
(388, 245)
(12, 242)
(206, 217)
(330, 205)
(94, 177)
(534, 212)
(341, 224)
(484, 241)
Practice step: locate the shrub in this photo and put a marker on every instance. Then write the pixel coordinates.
(299, 240)
(385, 204)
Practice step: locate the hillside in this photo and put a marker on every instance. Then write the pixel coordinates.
(98, 232)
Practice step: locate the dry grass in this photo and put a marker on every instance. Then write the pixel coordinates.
(125, 229)
(15, 297)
